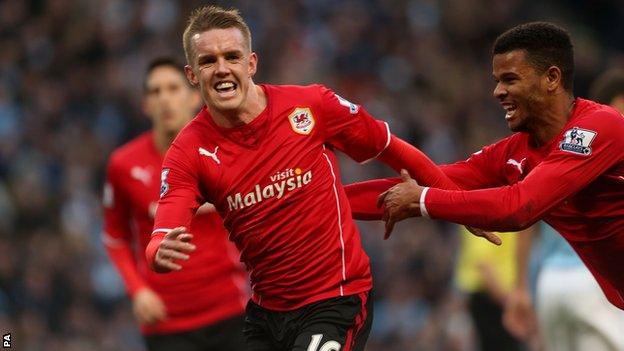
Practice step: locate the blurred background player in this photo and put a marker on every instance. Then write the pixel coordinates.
(485, 273)
(572, 312)
(199, 308)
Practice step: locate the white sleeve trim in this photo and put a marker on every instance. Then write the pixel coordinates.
(423, 208)
(385, 146)
(161, 230)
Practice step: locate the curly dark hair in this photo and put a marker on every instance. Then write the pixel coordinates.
(546, 45)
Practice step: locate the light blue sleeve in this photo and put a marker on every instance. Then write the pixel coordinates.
(555, 250)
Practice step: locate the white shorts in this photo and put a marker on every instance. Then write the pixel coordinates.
(574, 314)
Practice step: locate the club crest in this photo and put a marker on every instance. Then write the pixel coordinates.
(578, 141)
(301, 120)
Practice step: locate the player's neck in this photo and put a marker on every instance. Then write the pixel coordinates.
(163, 140)
(254, 104)
(552, 120)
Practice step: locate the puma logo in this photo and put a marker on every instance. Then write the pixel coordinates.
(212, 155)
(519, 165)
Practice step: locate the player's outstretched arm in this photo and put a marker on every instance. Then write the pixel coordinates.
(363, 197)
(403, 201)
(564, 172)
(398, 155)
(401, 155)
(165, 250)
(364, 200)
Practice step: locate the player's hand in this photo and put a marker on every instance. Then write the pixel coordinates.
(175, 246)
(147, 306)
(206, 208)
(400, 202)
(489, 236)
(519, 316)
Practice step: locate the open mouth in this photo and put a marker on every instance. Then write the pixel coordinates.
(225, 87)
(511, 110)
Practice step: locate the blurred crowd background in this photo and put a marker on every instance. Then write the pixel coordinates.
(70, 92)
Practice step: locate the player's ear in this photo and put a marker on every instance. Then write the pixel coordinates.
(191, 76)
(553, 78)
(253, 64)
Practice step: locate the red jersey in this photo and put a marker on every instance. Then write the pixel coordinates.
(575, 183)
(275, 182)
(211, 287)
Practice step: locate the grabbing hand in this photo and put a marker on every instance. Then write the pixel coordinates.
(174, 246)
(400, 202)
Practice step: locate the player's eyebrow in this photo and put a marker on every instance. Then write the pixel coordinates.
(505, 75)
(233, 52)
(205, 57)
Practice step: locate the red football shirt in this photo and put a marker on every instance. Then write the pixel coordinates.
(211, 287)
(275, 182)
(575, 182)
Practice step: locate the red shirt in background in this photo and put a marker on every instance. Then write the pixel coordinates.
(211, 287)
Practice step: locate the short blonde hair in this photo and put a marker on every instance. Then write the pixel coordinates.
(210, 17)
